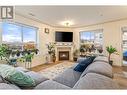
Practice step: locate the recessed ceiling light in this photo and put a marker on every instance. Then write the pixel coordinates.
(67, 23)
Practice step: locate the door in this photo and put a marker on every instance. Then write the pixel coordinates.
(124, 45)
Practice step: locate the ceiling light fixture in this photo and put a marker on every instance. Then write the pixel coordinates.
(67, 23)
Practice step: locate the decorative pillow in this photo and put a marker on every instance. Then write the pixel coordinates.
(21, 79)
(16, 77)
(80, 59)
(83, 64)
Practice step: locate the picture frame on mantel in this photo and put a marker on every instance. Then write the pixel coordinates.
(46, 30)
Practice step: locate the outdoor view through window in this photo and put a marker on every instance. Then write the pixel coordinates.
(19, 36)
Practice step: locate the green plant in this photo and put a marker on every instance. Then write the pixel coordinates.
(51, 49)
(28, 57)
(82, 49)
(3, 52)
(111, 50)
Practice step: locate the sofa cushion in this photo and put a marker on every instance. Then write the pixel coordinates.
(49, 84)
(38, 78)
(100, 68)
(21, 69)
(5, 86)
(101, 58)
(69, 77)
(15, 87)
(95, 81)
(83, 64)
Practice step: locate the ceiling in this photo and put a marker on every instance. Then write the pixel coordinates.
(79, 15)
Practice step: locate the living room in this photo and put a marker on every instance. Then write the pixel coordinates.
(115, 26)
(100, 26)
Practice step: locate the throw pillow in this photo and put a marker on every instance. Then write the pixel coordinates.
(21, 79)
(80, 59)
(83, 64)
(16, 77)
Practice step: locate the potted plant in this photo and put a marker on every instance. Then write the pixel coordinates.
(100, 50)
(3, 52)
(111, 50)
(17, 53)
(51, 51)
(82, 50)
(75, 54)
(54, 57)
(28, 58)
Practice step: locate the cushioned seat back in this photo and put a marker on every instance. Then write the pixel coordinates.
(101, 58)
(99, 67)
(95, 81)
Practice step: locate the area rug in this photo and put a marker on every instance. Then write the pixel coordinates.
(55, 70)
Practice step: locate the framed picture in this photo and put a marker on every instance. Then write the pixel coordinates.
(46, 30)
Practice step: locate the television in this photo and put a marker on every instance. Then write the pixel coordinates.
(63, 36)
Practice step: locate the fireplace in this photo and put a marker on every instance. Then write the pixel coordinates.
(63, 55)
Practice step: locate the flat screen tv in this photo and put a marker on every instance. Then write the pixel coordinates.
(63, 36)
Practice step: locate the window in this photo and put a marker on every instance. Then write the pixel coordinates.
(29, 34)
(92, 37)
(11, 33)
(19, 36)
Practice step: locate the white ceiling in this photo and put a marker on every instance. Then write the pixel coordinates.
(79, 15)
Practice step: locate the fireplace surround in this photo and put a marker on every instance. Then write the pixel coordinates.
(66, 49)
(63, 55)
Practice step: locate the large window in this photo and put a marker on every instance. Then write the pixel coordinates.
(92, 37)
(19, 36)
(11, 33)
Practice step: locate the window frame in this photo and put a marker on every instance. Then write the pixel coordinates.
(21, 25)
(93, 31)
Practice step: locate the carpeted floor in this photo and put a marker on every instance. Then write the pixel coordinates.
(55, 70)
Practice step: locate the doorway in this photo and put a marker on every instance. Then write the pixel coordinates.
(124, 45)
